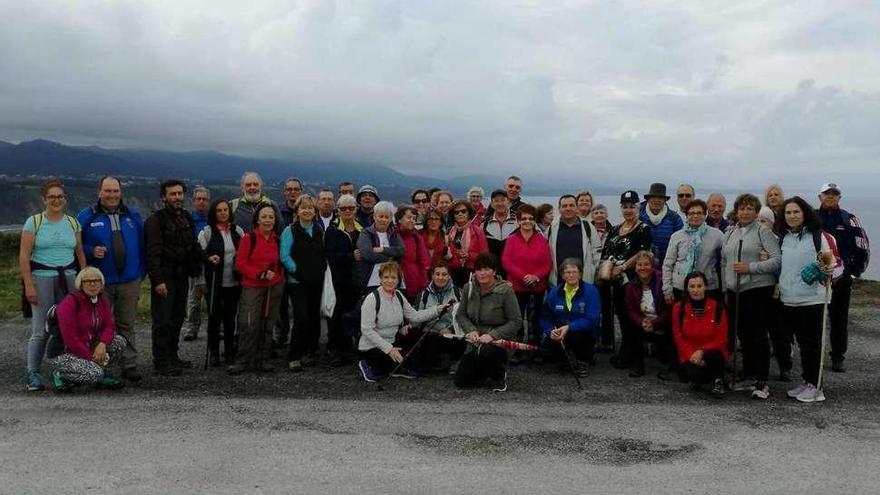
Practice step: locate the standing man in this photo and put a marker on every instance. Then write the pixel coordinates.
(173, 256)
(716, 204)
(326, 207)
(345, 187)
(367, 197)
(661, 221)
(513, 186)
(572, 237)
(201, 199)
(293, 189)
(684, 194)
(499, 226)
(855, 251)
(242, 209)
(113, 241)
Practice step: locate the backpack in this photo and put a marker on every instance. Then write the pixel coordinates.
(38, 222)
(54, 341)
(817, 239)
(352, 319)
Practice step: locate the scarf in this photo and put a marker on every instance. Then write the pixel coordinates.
(465, 237)
(695, 242)
(656, 219)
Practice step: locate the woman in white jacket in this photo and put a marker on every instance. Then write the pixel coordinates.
(695, 248)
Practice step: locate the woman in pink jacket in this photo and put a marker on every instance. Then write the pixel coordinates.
(527, 262)
(89, 336)
(466, 241)
(416, 260)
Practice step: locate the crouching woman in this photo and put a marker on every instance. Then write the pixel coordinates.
(488, 311)
(699, 326)
(89, 335)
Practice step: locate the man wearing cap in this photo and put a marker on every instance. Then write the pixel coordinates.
(500, 225)
(685, 194)
(852, 243)
(475, 198)
(242, 209)
(513, 190)
(661, 221)
(367, 197)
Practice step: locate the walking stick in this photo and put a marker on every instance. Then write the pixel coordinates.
(824, 326)
(570, 364)
(210, 315)
(739, 252)
(263, 324)
(415, 346)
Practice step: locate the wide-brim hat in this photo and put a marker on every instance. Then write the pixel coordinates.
(657, 190)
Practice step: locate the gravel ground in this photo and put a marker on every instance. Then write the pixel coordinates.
(327, 431)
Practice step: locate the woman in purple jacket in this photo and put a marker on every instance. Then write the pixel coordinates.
(89, 335)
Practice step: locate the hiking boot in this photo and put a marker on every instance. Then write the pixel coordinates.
(34, 381)
(499, 384)
(58, 384)
(110, 382)
(295, 366)
(793, 393)
(810, 394)
(404, 372)
(235, 369)
(761, 392)
(370, 375)
(191, 335)
(167, 369)
(837, 365)
(717, 388)
(131, 374)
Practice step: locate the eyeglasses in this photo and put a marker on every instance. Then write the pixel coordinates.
(420, 201)
(460, 212)
(346, 208)
(92, 281)
(685, 195)
(55, 197)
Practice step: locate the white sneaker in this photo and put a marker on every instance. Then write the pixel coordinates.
(811, 394)
(793, 393)
(762, 391)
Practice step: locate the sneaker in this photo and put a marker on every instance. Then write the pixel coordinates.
(35, 382)
(499, 385)
(131, 374)
(58, 384)
(747, 385)
(190, 335)
(762, 391)
(717, 388)
(793, 393)
(403, 372)
(295, 366)
(368, 373)
(837, 365)
(810, 394)
(110, 382)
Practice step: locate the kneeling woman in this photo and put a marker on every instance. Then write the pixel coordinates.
(488, 311)
(89, 335)
(571, 316)
(648, 313)
(385, 315)
(699, 326)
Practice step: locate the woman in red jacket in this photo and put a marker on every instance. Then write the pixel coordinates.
(416, 261)
(262, 281)
(466, 241)
(89, 335)
(435, 238)
(699, 325)
(527, 262)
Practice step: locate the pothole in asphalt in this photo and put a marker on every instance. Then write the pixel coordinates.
(592, 448)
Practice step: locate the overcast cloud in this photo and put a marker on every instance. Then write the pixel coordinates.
(727, 93)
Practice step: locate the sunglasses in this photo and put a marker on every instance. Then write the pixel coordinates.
(460, 212)
(685, 195)
(420, 201)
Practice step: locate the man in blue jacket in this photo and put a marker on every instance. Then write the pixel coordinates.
(113, 240)
(661, 220)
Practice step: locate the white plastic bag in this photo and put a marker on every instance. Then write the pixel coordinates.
(328, 295)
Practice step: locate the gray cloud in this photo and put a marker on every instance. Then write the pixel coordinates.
(616, 91)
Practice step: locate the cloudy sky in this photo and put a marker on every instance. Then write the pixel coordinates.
(718, 93)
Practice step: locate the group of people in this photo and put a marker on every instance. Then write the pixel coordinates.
(445, 285)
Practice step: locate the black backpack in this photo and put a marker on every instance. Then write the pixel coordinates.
(351, 321)
(54, 341)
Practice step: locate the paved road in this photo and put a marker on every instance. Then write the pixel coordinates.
(325, 431)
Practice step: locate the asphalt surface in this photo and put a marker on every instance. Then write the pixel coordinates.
(326, 431)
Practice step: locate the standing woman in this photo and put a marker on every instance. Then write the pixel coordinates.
(544, 219)
(416, 262)
(466, 241)
(49, 256)
(302, 254)
(435, 238)
(526, 260)
(750, 277)
(773, 198)
(599, 219)
(219, 240)
(648, 313)
(809, 260)
(262, 281)
(378, 243)
(696, 247)
(621, 245)
(699, 325)
(340, 246)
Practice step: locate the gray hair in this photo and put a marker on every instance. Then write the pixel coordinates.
(346, 200)
(201, 189)
(386, 207)
(250, 174)
(476, 189)
(294, 179)
(717, 195)
(598, 207)
(694, 191)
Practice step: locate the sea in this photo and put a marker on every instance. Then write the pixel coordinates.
(867, 208)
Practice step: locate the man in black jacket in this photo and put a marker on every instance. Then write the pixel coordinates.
(173, 255)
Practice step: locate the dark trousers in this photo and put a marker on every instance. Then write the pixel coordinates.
(705, 374)
(305, 299)
(838, 312)
(478, 365)
(530, 304)
(434, 347)
(806, 323)
(607, 338)
(281, 331)
(752, 329)
(168, 314)
(223, 308)
(781, 335)
(460, 276)
(257, 311)
(580, 343)
(381, 363)
(337, 338)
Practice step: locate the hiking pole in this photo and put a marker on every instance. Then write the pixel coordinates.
(739, 252)
(263, 324)
(570, 364)
(210, 316)
(824, 327)
(415, 346)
